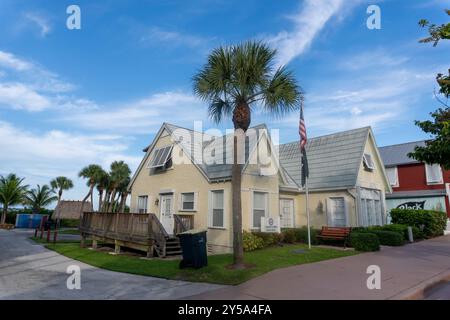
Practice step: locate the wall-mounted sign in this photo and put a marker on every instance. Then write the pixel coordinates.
(414, 205)
(270, 224)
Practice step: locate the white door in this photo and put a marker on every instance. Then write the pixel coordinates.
(337, 211)
(166, 215)
(287, 213)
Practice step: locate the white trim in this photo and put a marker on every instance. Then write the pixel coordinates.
(181, 202)
(397, 182)
(266, 208)
(441, 180)
(210, 209)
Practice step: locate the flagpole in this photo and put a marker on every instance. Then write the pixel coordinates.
(307, 213)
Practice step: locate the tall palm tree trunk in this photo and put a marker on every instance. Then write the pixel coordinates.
(91, 188)
(4, 213)
(111, 203)
(100, 199)
(123, 200)
(58, 217)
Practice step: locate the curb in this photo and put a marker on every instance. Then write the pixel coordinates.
(418, 292)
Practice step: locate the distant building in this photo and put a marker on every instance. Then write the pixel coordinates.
(415, 184)
(70, 209)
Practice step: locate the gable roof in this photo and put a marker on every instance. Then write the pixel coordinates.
(333, 160)
(194, 143)
(398, 154)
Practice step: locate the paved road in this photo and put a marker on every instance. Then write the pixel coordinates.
(403, 270)
(29, 271)
(440, 292)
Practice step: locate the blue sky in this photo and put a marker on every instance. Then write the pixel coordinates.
(73, 97)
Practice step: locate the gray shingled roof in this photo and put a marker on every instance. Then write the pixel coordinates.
(333, 160)
(398, 153)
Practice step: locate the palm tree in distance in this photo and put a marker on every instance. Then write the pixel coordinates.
(92, 173)
(234, 80)
(40, 197)
(12, 192)
(61, 184)
(102, 186)
(119, 174)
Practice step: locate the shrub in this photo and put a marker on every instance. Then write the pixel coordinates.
(69, 223)
(251, 242)
(289, 236)
(389, 238)
(364, 241)
(403, 229)
(301, 235)
(431, 223)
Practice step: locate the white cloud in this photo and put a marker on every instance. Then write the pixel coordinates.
(308, 22)
(20, 96)
(143, 116)
(40, 21)
(8, 60)
(42, 156)
(156, 35)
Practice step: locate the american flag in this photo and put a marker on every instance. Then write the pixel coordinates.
(303, 141)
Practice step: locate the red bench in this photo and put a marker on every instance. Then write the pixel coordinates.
(335, 233)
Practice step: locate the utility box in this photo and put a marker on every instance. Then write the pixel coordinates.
(193, 246)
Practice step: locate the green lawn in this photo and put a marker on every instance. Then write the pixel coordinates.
(263, 261)
(69, 231)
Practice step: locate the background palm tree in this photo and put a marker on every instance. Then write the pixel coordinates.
(92, 173)
(12, 192)
(60, 184)
(102, 185)
(123, 189)
(234, 79)
(40, 197)
(120, 173)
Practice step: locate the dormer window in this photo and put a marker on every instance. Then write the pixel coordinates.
(161, 160)
(368, 162)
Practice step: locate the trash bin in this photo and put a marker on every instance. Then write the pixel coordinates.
(193, 246)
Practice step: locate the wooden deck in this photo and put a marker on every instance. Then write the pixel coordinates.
(138, 231)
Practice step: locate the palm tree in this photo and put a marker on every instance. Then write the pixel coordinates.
(119, 174)
(123, 189)
(40, 197)
(12, 192)
(235, 79)
(102, 185)
(92, 173)
(60, 184)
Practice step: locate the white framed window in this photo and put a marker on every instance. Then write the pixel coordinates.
(337, 212)
(217, 209)
(142, 204)
(392, 174)
(433, 173)
(188, 201)
(368, 162)
(260, 204)
(371, 210)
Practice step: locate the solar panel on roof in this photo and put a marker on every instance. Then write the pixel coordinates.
(160, 157)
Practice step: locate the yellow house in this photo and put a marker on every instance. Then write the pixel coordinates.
(186, 175)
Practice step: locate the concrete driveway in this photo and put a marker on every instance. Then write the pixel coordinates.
(29, 271)
(405, 273)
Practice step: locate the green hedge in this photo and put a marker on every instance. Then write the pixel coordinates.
(289, 236)
(402, 229)
(301, 235)
(431, 223)
(364, 241)
(70, 223)
(270, 239)
(251, 242)
(389, 238)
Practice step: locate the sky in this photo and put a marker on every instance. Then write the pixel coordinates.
(69, 98)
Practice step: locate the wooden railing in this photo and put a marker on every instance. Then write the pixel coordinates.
(183, 223)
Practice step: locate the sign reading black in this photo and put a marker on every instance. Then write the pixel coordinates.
(415, 205)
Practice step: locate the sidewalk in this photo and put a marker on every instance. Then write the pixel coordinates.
(404, 271)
